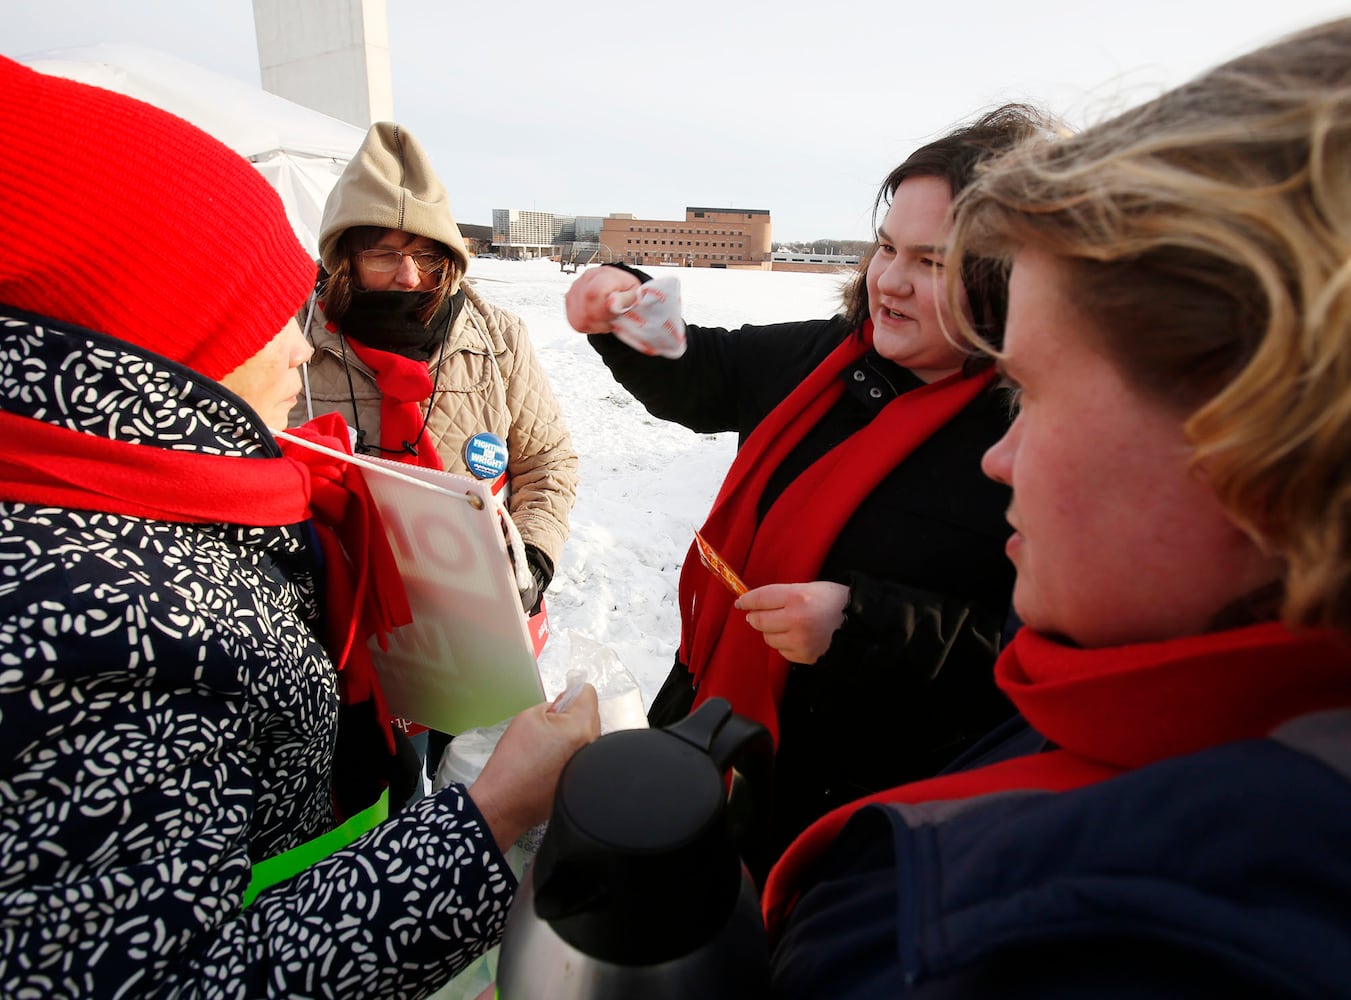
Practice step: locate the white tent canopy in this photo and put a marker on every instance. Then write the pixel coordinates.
(301, 152)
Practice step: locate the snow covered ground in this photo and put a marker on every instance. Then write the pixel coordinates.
(645, 484)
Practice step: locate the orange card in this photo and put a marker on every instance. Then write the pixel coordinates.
(710, 558)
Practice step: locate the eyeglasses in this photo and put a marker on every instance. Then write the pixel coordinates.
(382, 260)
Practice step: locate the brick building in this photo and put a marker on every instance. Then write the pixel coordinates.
(708, 237)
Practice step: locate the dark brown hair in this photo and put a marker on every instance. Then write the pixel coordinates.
(337, 291)
(954, 158)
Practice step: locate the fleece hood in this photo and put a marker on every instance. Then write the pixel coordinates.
(390, 183)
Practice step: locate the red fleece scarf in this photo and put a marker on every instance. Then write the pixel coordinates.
(364, 595)
(727, 657)
(404, 384)
(1112, 710)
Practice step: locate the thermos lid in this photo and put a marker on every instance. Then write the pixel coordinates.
(638, 865)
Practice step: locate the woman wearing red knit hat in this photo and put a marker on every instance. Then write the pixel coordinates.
(168, 701)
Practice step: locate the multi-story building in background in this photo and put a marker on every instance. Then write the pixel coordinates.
(588, 228)
(708, 237)
(524, 234)
(477, 239)
(519, 232)
(791, 260)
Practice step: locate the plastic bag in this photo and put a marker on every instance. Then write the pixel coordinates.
(652, 325)
(580, 657)
(617, 690)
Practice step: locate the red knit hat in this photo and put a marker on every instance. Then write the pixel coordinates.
(125, 219)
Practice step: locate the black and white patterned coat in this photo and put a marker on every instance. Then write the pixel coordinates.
(167, 717)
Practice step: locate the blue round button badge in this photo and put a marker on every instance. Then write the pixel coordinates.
(486, 455)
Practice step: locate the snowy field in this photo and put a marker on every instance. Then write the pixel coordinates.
(645, 484)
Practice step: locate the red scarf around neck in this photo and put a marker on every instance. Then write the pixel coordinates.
(1113, 710)
(727, 657)
(364, 596)
(404, 384)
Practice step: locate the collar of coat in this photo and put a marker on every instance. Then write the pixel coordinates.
(1109, 711)
(469, 333)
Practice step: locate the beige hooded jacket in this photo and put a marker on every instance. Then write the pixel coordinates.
(488, 379)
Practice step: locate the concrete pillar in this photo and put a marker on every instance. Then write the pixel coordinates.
(329, 55)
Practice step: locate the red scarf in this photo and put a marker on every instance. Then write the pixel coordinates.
(363, 588)
(727, 657)
(1112, 710)
(404, 384)
(44, 464)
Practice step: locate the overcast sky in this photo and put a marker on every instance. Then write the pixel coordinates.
(796, 106)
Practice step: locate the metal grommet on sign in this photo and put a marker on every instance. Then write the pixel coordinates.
(875, 392)
(859, 375)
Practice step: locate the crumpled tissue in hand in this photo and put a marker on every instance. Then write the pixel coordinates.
(653, 324)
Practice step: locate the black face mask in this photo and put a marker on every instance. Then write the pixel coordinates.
(388, 321)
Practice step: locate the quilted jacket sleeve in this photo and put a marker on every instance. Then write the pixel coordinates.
(543, 463)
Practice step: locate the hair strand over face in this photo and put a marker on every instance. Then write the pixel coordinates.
(954, 158)
(1208, 235)
(341, 283)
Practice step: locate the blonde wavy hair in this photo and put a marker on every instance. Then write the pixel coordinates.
(1208, 233)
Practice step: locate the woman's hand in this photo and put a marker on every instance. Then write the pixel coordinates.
(515, 789)
(797, 619)
(598, 296)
